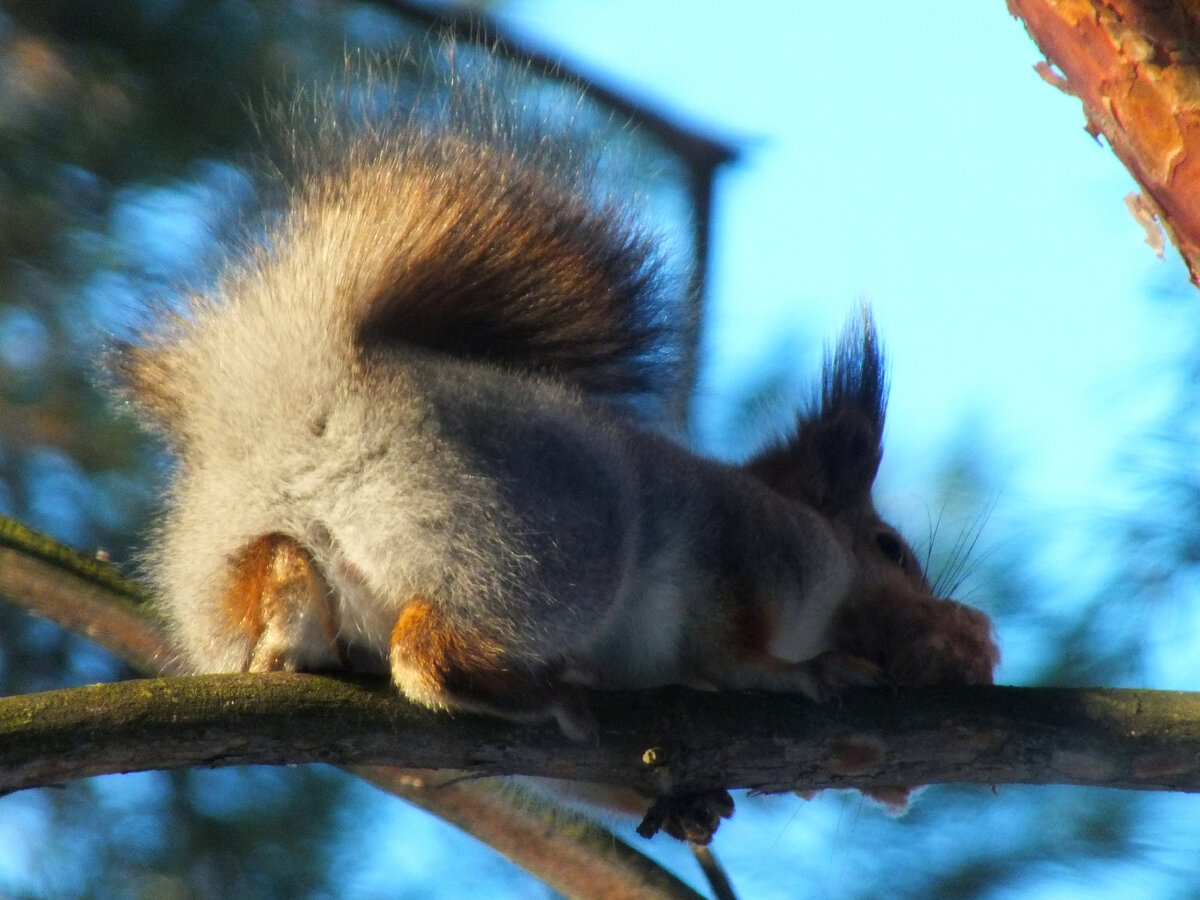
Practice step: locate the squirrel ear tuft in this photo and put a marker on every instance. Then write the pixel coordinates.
(854, 376)
(831, 459)
(848, 450)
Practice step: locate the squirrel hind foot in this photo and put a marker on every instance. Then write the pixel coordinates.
(835, 672)
(693, 818)
(278, 599)
(446, 665)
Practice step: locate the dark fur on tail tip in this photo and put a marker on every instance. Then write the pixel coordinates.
(527, 275)
(498, 240)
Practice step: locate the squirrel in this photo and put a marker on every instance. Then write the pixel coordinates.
(404, 432)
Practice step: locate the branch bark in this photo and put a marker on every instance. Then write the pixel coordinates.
(664, 741)
(1135, 65)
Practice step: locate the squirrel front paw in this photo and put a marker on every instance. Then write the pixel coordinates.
(835, 672)
(918, 640)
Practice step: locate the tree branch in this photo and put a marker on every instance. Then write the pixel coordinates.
(661, 741)
(1134, 65)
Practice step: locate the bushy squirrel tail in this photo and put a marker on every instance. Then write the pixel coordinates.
(490, 238)
(454, 223)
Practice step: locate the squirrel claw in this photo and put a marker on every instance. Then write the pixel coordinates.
(836, 672)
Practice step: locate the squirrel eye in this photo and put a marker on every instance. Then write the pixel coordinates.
(892, 547)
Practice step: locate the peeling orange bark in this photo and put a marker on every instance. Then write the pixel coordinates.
(1135, 66)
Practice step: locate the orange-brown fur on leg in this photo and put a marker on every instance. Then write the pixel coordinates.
(446, 665)
(279, 598)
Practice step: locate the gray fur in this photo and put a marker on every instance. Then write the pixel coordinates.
(404, 375)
